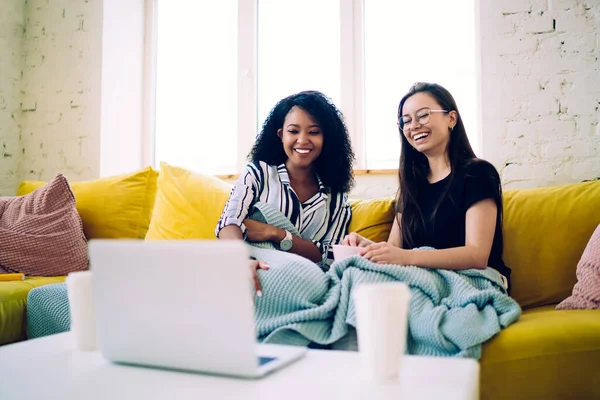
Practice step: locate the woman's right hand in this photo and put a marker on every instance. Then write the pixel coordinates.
(255, 265)
(355, 240)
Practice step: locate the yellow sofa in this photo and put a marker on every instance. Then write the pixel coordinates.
(547, 354)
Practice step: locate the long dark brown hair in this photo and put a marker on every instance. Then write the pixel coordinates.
(414, 167)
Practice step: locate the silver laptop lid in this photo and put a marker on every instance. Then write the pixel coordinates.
(175, 304)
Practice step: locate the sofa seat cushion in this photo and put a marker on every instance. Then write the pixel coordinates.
(13, 299)
(547, 354)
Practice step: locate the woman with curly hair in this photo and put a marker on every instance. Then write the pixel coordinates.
(301, 163)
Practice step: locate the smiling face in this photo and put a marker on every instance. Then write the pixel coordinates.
(431, 137)
(302, 139)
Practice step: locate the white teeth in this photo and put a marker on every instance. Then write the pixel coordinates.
(420, 135)
(302, 151)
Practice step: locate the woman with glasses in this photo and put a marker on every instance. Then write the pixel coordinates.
(448, 198)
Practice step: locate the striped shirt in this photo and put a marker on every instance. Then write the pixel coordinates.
(322, 219)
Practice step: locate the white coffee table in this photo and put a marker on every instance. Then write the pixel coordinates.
(49, 368)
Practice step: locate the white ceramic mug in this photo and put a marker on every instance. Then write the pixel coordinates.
(341, 251)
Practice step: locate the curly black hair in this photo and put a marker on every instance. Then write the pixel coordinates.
(334, 164)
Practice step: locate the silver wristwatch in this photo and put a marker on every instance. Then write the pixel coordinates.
(287, 243)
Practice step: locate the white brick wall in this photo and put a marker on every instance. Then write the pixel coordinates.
(370, 186)
(541, 90)
(11, 35)
(61, 89)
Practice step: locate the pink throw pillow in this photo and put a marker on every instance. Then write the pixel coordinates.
(586, 292)
(41, 233)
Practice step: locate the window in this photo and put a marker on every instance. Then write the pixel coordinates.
(407, 42)
(298, 49)
(196, 85)
(222, 66)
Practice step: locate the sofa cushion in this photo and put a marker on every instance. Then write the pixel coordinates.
(41, 233)
(545, 233)
(13, 300)
(546, 354)
(114, 207)
(188, 204)
(586, 293)
(372, 218)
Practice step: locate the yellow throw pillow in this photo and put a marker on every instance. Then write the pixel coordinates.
(113, 207)
(545, 233)
(372, 218)
(188, 204)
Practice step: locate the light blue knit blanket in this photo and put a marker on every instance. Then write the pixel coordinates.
(451, 312)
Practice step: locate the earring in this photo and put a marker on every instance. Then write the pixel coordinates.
(451, 128)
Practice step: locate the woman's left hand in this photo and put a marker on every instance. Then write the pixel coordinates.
(384, 253)
(259, 232)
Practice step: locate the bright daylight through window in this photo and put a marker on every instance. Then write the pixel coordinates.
(299, 47)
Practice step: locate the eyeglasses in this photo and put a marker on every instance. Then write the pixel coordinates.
(423, 115)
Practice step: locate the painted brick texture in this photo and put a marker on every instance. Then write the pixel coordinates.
(541, 90)
(60, 110)
(12, 17)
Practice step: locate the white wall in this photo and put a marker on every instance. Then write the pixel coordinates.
(12, 19)
(369, 186)
(82, 83)
(61, 89)
(122, 80)
(541, 90)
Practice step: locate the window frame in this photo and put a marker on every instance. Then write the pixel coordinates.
(351, 76)
(149, 85)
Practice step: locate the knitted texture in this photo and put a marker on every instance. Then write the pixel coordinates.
(41, 233)
(48, 310)
(268, 214)
(451, 312)
(586, 292)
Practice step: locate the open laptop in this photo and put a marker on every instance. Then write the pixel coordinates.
(185, 305)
